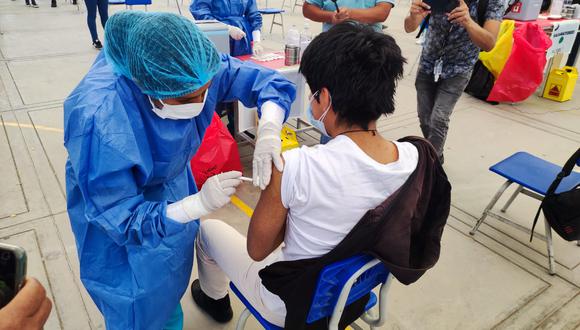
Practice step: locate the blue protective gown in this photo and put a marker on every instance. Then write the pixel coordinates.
(239, 13)
(125, 165)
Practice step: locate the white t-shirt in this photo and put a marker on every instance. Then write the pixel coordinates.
(328, 188)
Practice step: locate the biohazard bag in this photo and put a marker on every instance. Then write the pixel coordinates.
(217, 153)
(524, 70)
(496, 59)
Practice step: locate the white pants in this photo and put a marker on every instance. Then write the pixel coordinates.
(222, 254)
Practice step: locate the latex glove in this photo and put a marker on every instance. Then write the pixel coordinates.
(257, 49)
(214, 194)
(236, 33)
(268, 144)
(257, 36)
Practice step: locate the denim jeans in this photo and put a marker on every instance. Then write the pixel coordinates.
(92, 6)
(435, 103)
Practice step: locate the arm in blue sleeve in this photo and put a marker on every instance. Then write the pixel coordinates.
(201, 10)
(253, 85)
(254, 16)
(105, 170)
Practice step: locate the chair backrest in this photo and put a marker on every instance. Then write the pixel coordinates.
(332, 279)
(138, 2)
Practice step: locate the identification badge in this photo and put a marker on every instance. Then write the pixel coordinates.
(438, 69)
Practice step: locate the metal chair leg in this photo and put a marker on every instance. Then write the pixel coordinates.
(243, 319)
(512, 198)
(272, 25)
(551, 260)
(490, 206)
(282, 24)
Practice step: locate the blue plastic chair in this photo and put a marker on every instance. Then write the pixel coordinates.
(533, 176)
(274, 12)
(339, 285)
(130, 3)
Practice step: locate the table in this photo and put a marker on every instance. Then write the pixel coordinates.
(246, 119)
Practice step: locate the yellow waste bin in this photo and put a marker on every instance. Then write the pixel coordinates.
(561, 83)
(289, 140)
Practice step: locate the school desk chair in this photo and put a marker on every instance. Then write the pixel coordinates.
(132, 3)
(339, 285)
(274, 12)
(533, 176)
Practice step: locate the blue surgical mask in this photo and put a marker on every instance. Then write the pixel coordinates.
(317, 123)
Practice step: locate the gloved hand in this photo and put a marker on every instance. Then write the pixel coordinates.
(236, 33)
(268, 144)
(257, 49)
(214, 194)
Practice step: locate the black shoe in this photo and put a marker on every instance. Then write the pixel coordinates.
(220, 310)
(53, 3)
(97, 44)
(74, 2)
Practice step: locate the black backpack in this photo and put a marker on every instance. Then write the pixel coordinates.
(562, 211)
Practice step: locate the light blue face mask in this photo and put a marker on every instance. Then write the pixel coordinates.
(317, 123)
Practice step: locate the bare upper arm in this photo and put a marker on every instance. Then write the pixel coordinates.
(267, 225)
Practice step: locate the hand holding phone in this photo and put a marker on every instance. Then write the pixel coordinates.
(419, 9)
(12, 271)
(29, 309)
(460, 15)
(442, 6)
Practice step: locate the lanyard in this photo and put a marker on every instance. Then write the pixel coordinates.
(438, 68)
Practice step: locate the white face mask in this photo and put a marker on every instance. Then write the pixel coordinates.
(180, 111)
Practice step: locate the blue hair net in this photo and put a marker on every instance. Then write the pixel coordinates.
(117, 31)
(166, 55)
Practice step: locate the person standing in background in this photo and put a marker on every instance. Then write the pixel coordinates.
(372, 12)
(243, 18)
(92, 7)
(31, 3)
(452, 45)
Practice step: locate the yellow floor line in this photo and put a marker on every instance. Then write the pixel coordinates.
(242, 206)
(38, 127)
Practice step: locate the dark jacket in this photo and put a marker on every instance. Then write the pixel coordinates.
(404, 232)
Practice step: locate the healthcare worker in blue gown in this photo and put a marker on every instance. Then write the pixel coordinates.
(131, 127)
(242, 17)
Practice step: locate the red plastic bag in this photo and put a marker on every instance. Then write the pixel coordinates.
(524, 70)
(217, 153)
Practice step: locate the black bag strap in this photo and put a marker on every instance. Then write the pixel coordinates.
(423, 26)
(481, 11)
(566, 170)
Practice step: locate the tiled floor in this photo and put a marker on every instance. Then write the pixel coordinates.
(496, 279)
